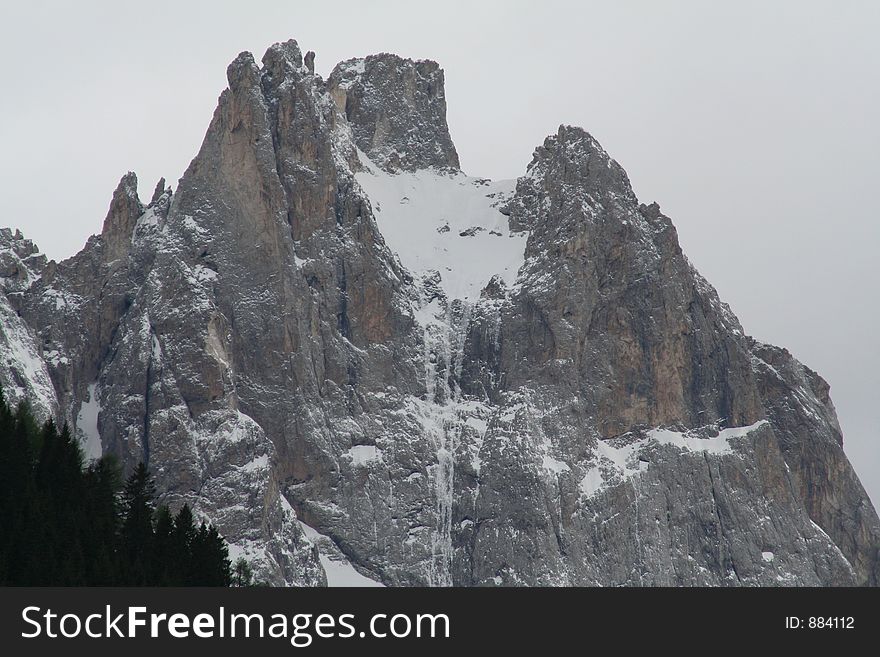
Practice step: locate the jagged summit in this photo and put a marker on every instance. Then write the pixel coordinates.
(125, 208)
(397, 110)
(360, 363)
(159, 191)
(20, 261)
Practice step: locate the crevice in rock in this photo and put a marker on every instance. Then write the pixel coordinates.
(147, 391)
(343, 324)
(721, 535)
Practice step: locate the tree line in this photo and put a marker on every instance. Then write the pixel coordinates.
(67, 523)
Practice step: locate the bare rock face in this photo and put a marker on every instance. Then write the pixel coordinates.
(623, 336)
(360, 363)
(125, 208)
(397, 111)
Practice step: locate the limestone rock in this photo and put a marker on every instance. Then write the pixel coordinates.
(397, 111)
(592, 415)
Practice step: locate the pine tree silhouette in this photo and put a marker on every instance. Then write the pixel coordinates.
(63, 523)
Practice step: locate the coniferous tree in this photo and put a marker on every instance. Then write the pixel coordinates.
(61, 485)
(164, 561)
(64, 523)
(103, 483)
(218, 555)
(138, 498)
(242, 573)
(210, 559)
(182, 537)
(10, 487)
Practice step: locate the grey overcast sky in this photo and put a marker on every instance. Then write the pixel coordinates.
(755, 125)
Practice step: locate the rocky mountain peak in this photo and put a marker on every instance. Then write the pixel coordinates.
(20, 261)
(574, 157)
(571, 168)
(283, 59)
(125, 208)
(397, 111)
(160, 203)
(355, 359)
(242, 72)
(158, 192)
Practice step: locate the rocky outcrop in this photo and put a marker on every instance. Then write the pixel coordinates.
(338, 347)
(24, 374)
(622, 335)
(397, 111)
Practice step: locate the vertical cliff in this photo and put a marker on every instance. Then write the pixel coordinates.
(353, 358)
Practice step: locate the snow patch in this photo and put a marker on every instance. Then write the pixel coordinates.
(592, 482)
(717, 445)
(339, 571)
(363, 454)
(616, 461)
(258, 463)
(342, 573)
(22, 369)
(448, 223)
(87, 424)
(554, 465)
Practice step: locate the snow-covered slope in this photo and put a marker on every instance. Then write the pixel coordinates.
(339, 570)
(446, 222)
(23, 371)
(87, 424)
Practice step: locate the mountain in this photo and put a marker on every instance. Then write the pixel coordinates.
(363, 365)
